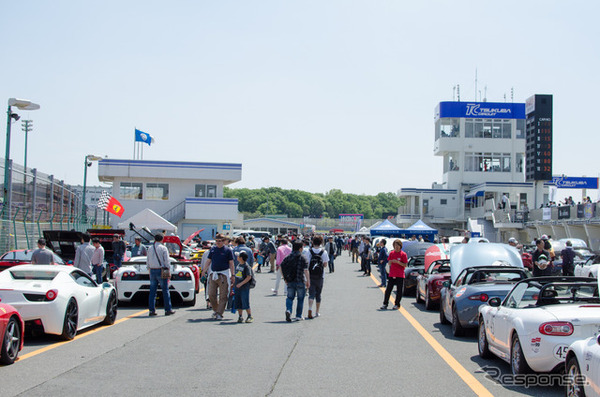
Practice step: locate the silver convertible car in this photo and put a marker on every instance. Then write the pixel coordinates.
(478, 272)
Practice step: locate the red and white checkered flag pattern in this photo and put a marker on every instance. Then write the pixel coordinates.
(110, 204)
(103, 200)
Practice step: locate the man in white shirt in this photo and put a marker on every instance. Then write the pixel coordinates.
(158, 259)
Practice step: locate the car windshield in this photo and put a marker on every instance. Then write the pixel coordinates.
(44, 275)
(440, 269)
(495, 276)
(18, 256)
(556, 293)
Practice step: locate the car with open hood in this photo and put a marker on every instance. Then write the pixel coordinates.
(478, 272)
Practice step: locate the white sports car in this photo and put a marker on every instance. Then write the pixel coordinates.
(132, 280)
(57, 299)
(538, 320)
(583, 367)
(589, 268)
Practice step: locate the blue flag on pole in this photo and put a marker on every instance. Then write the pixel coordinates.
(141, 136)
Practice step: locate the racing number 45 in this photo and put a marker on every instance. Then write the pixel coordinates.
(560, 351)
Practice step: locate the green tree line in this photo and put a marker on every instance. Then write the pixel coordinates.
(255, 203)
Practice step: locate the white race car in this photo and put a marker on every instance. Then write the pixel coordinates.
(538, 320)
(583, 367)
(57, 299)
(132, 280)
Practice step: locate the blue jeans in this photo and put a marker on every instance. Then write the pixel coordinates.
(155, 278)
(383, 274)
(295, 288)
(117, 260)
(97, 270)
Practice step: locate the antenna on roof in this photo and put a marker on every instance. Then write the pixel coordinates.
(475, 84)
(512, 94)
(453, 93)
(505, 97)
(458, 92)
(485, 94)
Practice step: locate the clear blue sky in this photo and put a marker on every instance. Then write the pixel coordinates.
(311, 95)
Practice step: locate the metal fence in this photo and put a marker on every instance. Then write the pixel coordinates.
(38, 202)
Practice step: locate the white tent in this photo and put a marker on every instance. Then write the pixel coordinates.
(150, 219)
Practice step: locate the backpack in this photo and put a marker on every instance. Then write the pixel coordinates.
(315, 268)
(289, 268)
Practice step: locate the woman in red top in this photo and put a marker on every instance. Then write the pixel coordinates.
(397, 260)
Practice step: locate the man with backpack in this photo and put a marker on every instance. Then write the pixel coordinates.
(318, 260)
(294, 269)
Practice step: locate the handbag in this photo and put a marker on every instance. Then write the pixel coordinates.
(165, 272)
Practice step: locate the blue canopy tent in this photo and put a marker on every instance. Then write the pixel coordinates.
(386, 228)
(420, 228)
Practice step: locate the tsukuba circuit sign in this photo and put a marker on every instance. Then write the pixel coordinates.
(565, 182)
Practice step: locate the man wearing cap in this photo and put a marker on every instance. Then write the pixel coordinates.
(42, 255)
(138, 249)
(118, 247)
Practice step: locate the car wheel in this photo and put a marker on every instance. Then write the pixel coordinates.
(482, 342)
(443, 318)
(429, 305)
(71, 319)
(111, 309)
(574, 379)
(418, 295)
(518, 365)
(457, 329)
(11, 342)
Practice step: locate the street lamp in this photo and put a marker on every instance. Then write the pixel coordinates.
(21, 104)
(88, 163)
(27, 126)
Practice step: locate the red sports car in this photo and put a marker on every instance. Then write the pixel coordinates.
(12, 330)
(22, 257)
(430, 283)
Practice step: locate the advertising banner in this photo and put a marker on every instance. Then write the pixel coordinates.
(588, 210)
(564, 212)
(579, 210)
(351, 221)
(566, 182)
(547, 214)
(480, 110)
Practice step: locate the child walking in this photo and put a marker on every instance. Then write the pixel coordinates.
(243, 275)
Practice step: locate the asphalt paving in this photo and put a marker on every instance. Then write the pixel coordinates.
(352, 349)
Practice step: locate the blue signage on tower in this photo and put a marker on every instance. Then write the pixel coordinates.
(480, 110)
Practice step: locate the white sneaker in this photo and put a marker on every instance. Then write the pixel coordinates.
(317, 315)
(214, 316)
(298, 318)
(218, 317)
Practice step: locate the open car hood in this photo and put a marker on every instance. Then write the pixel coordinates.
(463, 256)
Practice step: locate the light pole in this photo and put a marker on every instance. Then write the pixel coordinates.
(22, 104)
(88, 163)
(26, 127)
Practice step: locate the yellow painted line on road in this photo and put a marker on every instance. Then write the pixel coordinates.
(79, 336)
(465, 375)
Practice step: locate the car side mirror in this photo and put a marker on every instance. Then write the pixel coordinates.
(446, 284)
(494, 302)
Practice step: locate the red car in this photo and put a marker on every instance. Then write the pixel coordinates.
(430, 283)
(21, 257)
(12, 330)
